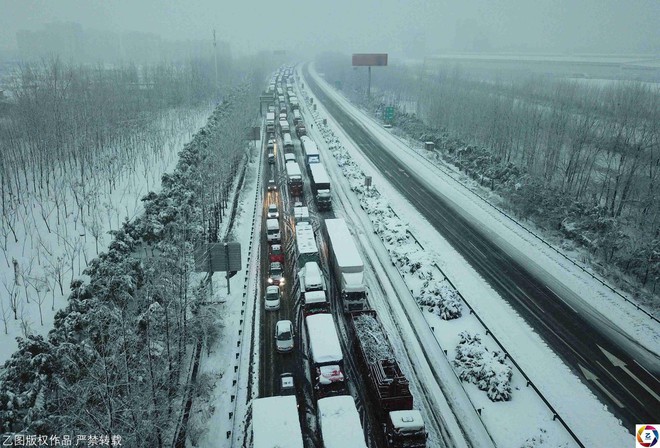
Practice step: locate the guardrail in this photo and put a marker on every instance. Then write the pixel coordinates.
(555, 414)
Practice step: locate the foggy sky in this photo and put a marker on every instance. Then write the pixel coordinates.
(430, 26)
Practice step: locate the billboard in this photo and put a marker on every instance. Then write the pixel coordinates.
(364, 59)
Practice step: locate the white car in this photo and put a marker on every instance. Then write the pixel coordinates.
(272, 298)
(273, 213)
(297, 204)
(284, 336)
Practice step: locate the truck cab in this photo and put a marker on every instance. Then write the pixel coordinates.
(315, 302)
(405, 429)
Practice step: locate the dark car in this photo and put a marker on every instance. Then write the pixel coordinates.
(272, 186)
(287, 386)
(275, 274)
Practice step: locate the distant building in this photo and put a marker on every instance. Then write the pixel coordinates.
(71, 43)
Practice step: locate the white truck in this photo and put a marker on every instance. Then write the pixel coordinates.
(270, 122)
(301, 214)
(325, 355)
(288, 142)
(273, 231)
(275, 423)
(340, 423)
(346, 263)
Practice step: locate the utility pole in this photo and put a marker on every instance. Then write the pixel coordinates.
(369, 85)
(215, 55)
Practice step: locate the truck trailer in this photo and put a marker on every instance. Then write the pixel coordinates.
(270, 122)
(310, 150)
(275, 423)
(339, 421)
(294, 179)
(326, 358)
(387, 385)
(346, 263)
(306, 248)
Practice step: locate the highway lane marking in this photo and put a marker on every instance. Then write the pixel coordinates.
(616, 362)
(619, 383)
(530, 298)
(590, 376)
(475, 248)
(644, 369)
(559, 297)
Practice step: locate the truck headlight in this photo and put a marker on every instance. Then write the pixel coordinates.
(270, 280)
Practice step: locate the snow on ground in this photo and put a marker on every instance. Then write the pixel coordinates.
(48, 243)
(593, 297)
(589, 418)
(226, 364)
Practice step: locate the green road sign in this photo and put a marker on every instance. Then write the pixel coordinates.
(389, 113)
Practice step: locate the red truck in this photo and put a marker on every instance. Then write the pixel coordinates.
(388, 386)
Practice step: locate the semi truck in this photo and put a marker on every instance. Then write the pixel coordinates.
(297, 118)
(288, 142)
(326, 358)
(402, 425)
(339, 421)
(310, 150)
(301, 214)
(275, 422)
(306, 249)
(346, 263)
(270, 122)
(320, 183)
(315, 302)
(294, 179)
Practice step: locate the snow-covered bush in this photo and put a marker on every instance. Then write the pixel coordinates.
(443, 299)
(485, 369)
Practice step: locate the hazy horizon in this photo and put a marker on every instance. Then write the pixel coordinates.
(406, 28)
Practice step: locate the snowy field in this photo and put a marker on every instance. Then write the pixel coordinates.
(51, 239)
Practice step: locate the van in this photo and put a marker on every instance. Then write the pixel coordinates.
(273, 231)
(284, 126)
(284, 336)
(271, 157)
(313, 279)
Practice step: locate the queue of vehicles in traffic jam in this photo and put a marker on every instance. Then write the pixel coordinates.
(388, 391)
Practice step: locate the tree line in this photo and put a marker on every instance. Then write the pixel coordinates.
(115, 362)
